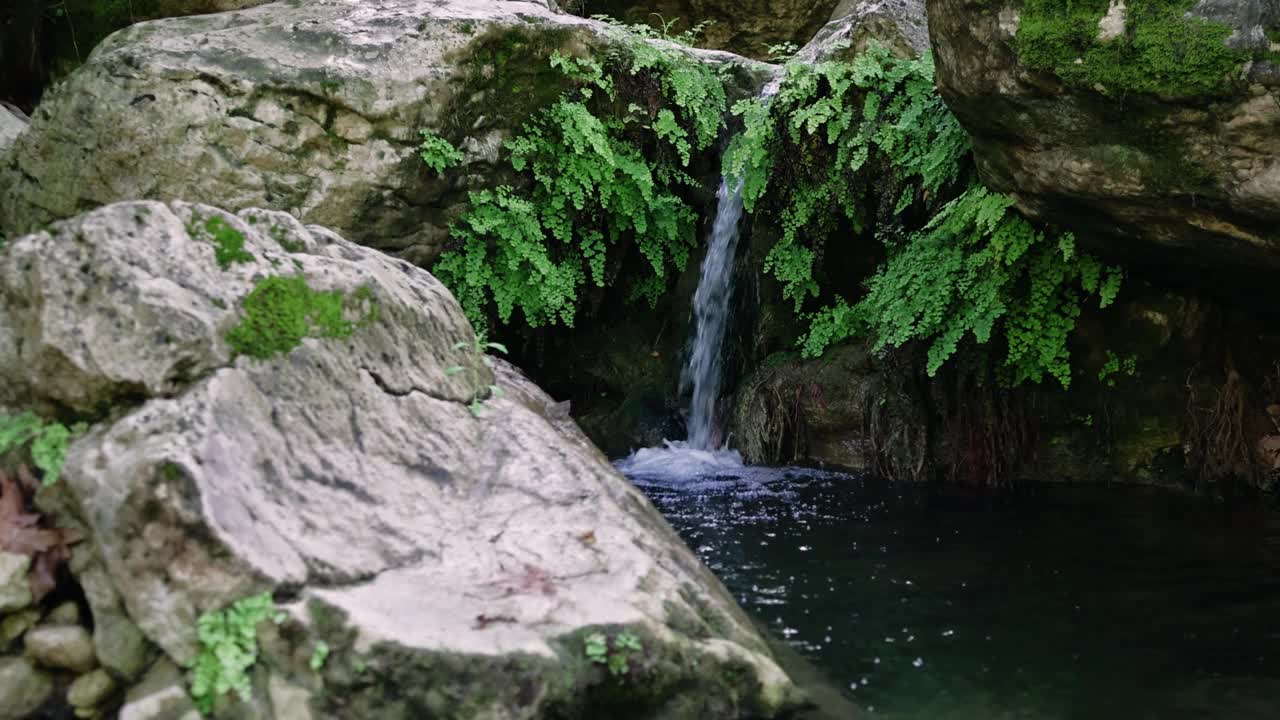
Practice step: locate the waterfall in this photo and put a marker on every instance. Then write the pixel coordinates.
(711, 319)
(711, 311)
(705, 454)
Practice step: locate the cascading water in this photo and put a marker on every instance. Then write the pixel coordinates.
(711, 319)
(704, 454)
(711, 311)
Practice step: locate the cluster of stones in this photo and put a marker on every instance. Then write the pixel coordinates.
(53, 658)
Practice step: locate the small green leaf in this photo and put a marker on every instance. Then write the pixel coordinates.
(319, 656)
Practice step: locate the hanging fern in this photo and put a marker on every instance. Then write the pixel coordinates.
(870, 141)
(604, 177)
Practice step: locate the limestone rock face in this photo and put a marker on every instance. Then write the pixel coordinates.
(1169, 158)
(11, 126)
(745, 27)
(451, 548)
(900, 25)
(313, 108)
(838, 411)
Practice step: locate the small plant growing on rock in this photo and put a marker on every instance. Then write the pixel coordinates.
(661, 30)
(48, 441)
(439, 154)
(477, 353)
(319, 656)
(1117, 366)
(781, 52)
(596, 648)
(228, 242)
(228, 649)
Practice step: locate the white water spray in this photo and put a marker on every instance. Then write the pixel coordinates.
(711, 320)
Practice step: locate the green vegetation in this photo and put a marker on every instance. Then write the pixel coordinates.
(1161, 51)
(663, 29)
(229, 649)
(46, 441)
(596, 648)
(1115, 366)
(319, 656)
(781, 52)
(477, 358)
(438, 153)
(282, 310)
(604, 167)
(868, 146)
(977, 264)
(228, 242)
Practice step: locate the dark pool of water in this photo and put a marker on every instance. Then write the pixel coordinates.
(1065, 603)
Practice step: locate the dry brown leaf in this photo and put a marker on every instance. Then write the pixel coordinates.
(21, 533)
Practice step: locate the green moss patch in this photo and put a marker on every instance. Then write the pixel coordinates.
(281, 311)
(1161, 51)
(228, 243)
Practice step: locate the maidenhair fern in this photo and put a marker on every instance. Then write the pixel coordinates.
(869, 145)
(46, 442)
(978, 267)
(229, 649)
(834, 130)
(438, 153)
(604, 176)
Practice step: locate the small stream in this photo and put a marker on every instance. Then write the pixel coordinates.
(1066, 603)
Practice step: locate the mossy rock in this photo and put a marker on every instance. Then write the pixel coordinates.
(1146, 127)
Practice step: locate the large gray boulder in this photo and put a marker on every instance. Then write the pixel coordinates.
(900, 25)
(310, 107)
(451, 547)
(1159, 146)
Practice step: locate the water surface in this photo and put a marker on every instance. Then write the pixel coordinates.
(1066, 603)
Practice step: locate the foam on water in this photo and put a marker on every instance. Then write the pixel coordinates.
(680, 460)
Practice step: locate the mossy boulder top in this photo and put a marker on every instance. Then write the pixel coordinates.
(314, 108)
(274, 408)
(1152, 127)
